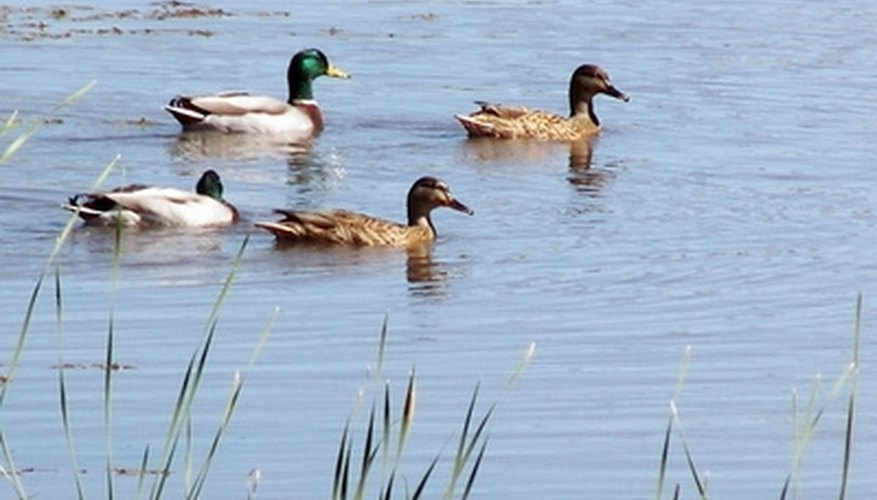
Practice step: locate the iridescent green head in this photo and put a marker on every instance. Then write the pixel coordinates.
(210, 185)
(303, 68)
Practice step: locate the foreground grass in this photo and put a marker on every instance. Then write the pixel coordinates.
(804, 422)
(181, 413)
(385, 438)
(470, 450)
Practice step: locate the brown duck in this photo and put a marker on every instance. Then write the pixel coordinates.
(342, 227)
(518, 122)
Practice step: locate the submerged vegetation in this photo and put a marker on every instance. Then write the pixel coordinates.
(66, 21)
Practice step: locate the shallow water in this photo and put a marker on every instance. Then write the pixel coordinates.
(728, 206)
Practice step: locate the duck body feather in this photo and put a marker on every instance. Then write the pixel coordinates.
(140, 205)
(240, 112)
(343, 227)
(519, 122)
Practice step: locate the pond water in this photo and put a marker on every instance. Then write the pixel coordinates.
(729, 206)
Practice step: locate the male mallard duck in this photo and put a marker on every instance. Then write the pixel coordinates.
(243, 112)
(139, 205)
(341, 227)
(517, 122)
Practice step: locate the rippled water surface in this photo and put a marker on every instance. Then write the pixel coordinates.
(729, 206)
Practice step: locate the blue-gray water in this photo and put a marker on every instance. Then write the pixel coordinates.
(728, 206)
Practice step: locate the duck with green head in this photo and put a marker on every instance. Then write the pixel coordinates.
(140, 205)
(241, 112)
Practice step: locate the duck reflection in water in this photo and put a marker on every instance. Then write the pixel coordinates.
(582, 175)
(426, 277)
(211, 144)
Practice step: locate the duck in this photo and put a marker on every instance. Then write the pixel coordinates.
(352, 229)
(139, 205)
(519, 122)
(242, 112)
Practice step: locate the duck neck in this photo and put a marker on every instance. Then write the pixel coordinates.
(300, 88)
(418, 218)
(582, 108)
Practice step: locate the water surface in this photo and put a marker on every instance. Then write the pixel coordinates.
(728, 206)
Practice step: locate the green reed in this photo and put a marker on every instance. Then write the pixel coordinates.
(389, 441)
(804, 425)
(12, 122)
(191, 378)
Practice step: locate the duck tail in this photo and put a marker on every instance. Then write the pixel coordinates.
(474, 127)
(184, 111)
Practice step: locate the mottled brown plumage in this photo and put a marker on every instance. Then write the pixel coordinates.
(342, 227)
(518, 122)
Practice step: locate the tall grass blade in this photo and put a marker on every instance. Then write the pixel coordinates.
(59, 316)
(367, 456)
(471, 481)
(388, 490)
(191, 380)
(188, 452)
(345, 471)
(339, 462)
(170, 440)
(263, 338)
(851, 405)
(226, 286)
(382, 344)
(141, 473)
(786, 485)
(19, 141)
(699, 483)
(19, 344)
(12, 475)
(234, 396)
(848, 443)
(387, 429)
(681, 375)
(407, 415)
(68, 434)
(108, 410)
(459, 461)
(522, 364)
(423, 480)
(9, 124)
(665, 454)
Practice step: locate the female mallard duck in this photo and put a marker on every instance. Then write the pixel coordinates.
(340, 227)
(139, 205)
(243, 112)
(517, 122)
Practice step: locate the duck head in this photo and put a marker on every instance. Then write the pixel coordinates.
(587, 81)
(429, 193)
(304, 67)
(210, 185)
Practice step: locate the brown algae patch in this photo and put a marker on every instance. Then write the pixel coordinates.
(66, 21)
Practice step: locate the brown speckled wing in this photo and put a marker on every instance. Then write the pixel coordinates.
(339, 227)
